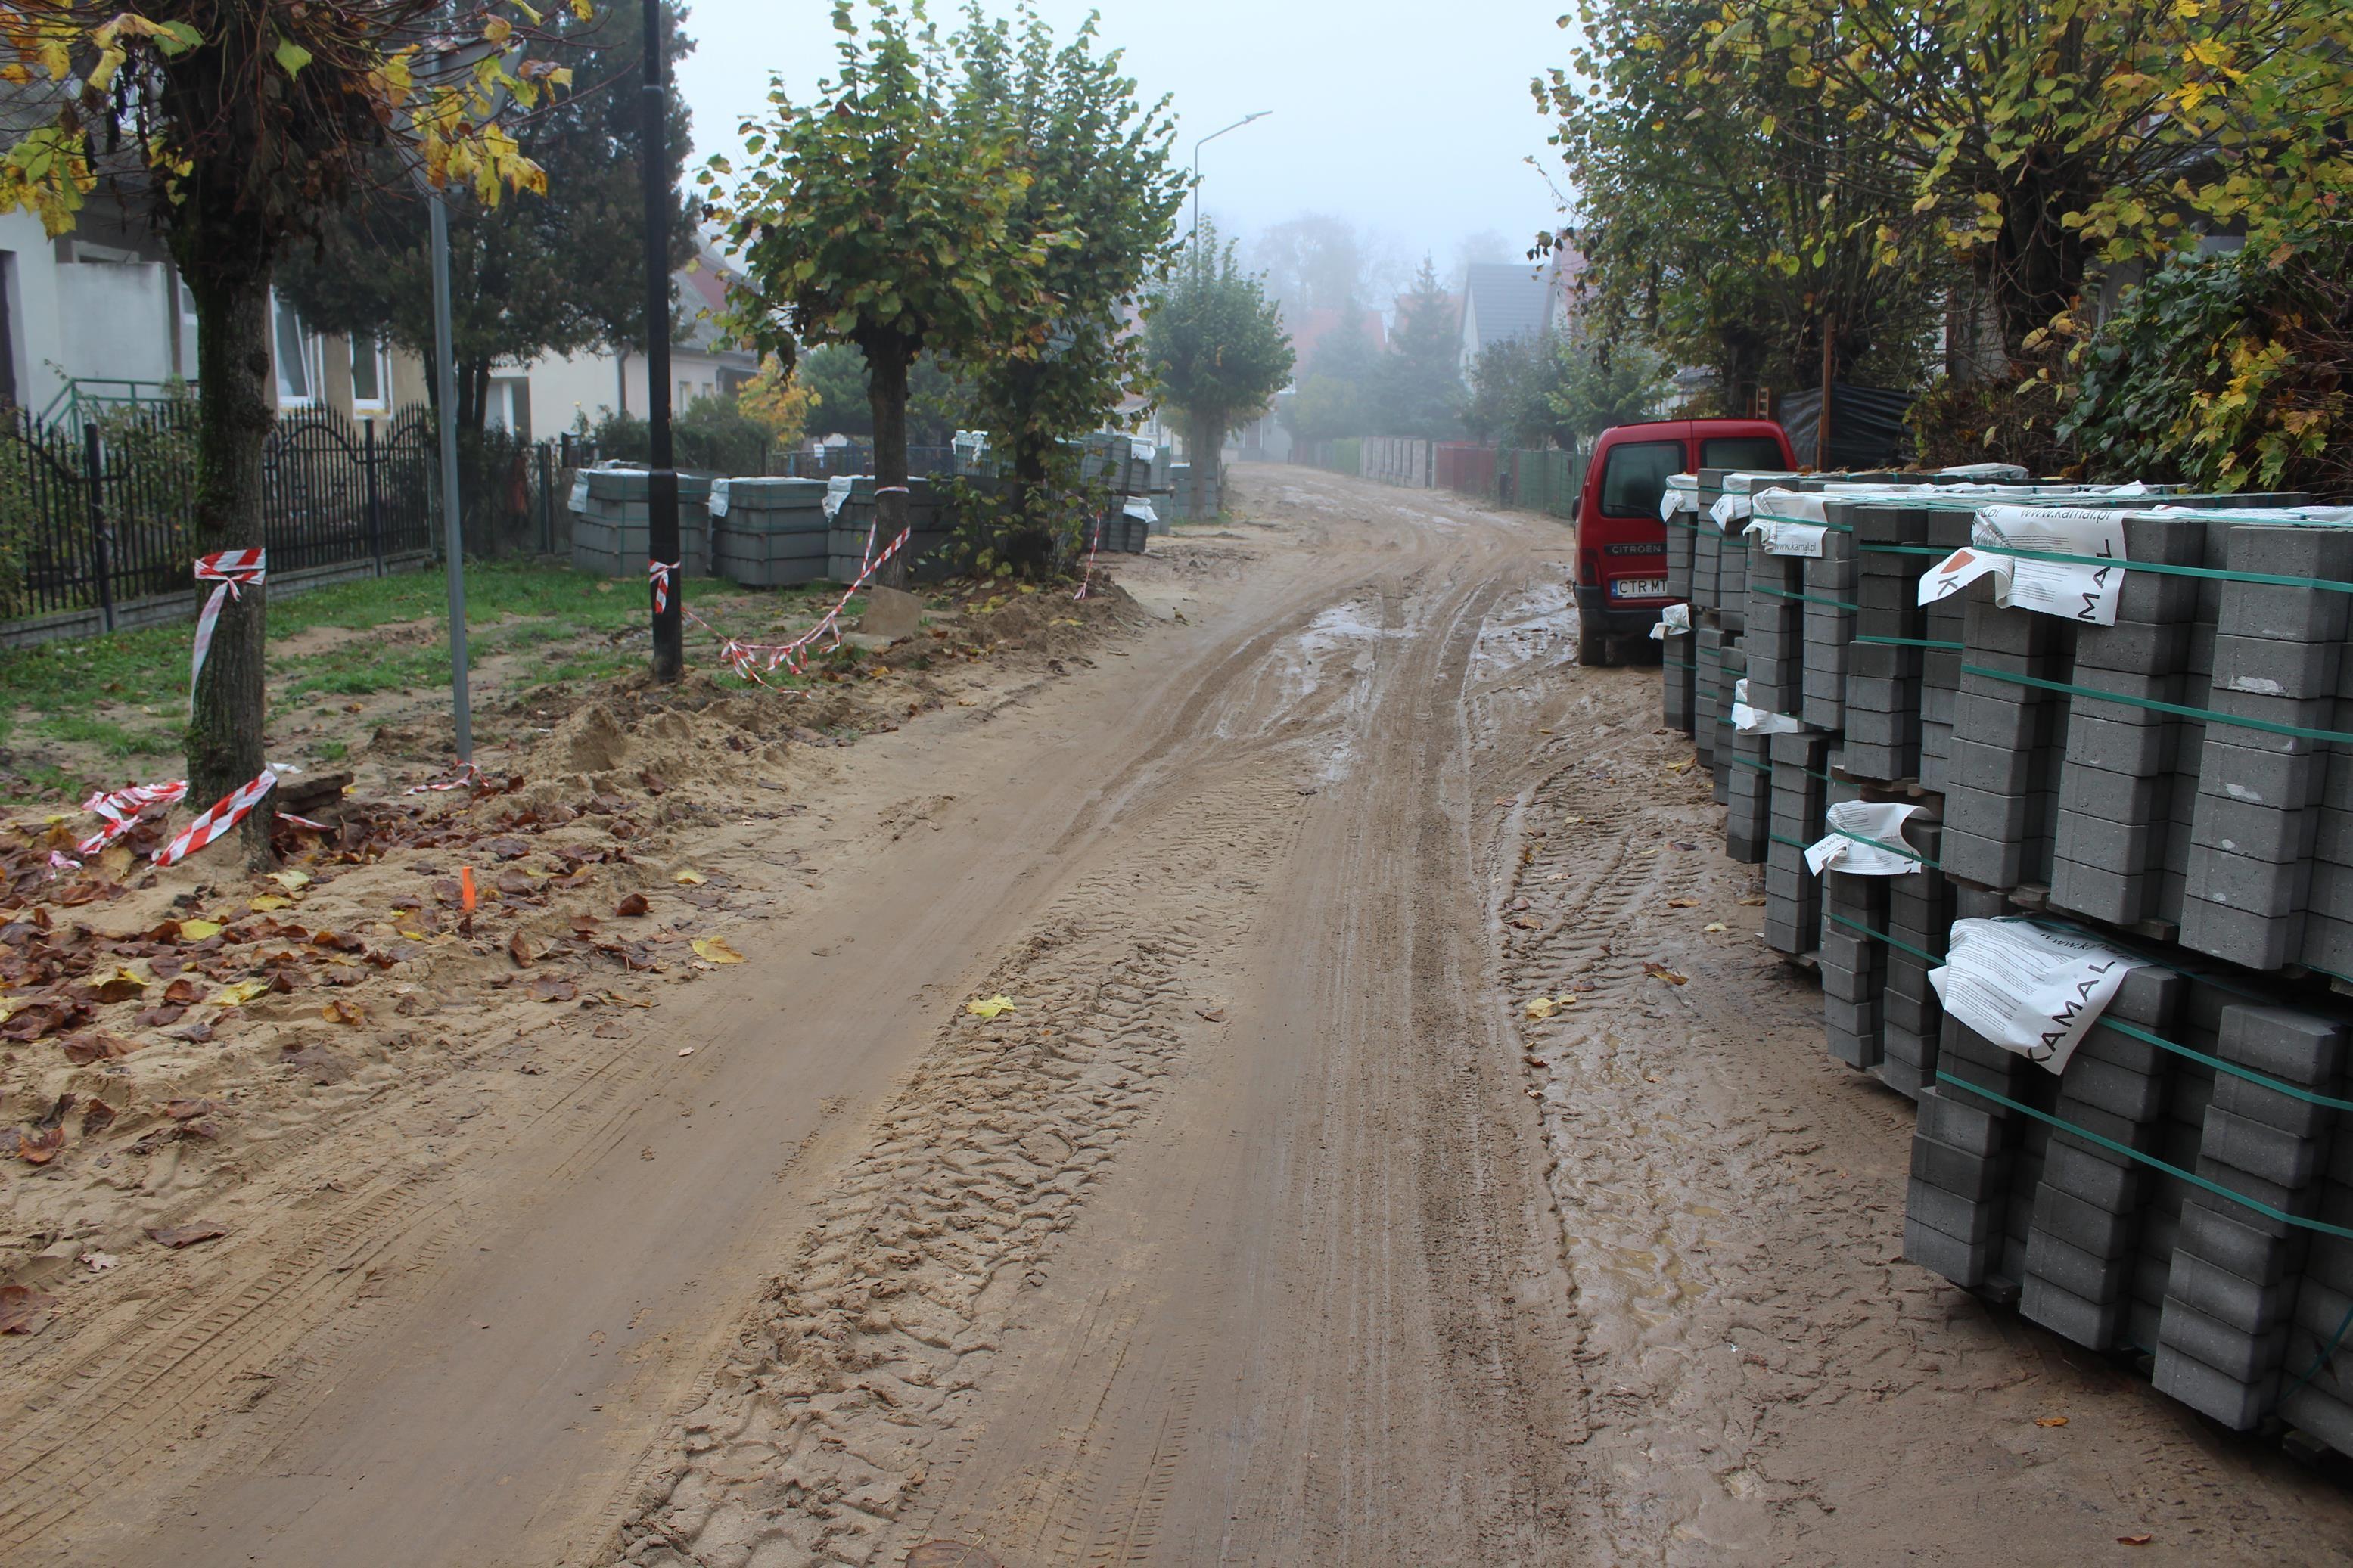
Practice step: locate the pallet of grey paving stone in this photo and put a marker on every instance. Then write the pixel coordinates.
(1707, 659)
(1800, 778)
(1919, 922)
(1774, 638)
(853, 531)
(1749, 788)
(1707, 546)
(1677, 683)
(1731, 667)
(1830, 608)
(772, 533)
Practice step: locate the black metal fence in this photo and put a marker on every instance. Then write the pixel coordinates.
(95, 517)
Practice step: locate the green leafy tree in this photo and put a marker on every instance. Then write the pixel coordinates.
(1217, 345)
(1334, 395)
(1418, 390)
(1725, 214)
(1596, 387)
(560, 275)
(939, 398)
(237, 126)
(1098, 208)
(878, 216)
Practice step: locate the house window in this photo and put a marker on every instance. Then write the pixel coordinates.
(297, 371)
(685, 392)
(371, 377)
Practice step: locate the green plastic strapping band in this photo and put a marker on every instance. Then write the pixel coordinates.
(1903, 849)
(1936, 958)
(2150, 1160)
(2326, 1352)
(2214, 574)
(1738, 760)
(1805, 598)
(1792, 843)
(2265, 1079)
(2207, 715)
(1915, 642)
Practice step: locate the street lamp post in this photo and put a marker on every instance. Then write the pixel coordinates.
(1204, 142)
(661, 482)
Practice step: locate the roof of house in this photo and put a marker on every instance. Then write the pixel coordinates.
(1508, 298)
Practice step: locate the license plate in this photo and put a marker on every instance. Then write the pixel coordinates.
(1638, 588)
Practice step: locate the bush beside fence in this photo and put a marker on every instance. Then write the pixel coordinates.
(1525, 479)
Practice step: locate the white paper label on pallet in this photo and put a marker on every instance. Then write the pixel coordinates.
(579, 497)
(1681, 495)
(1751, 721)
(2083, 591)
(1728, 510)
(1140, 509)
(719, 498)
(1789, 538)
(2028, 990)
(837, 491)
(1985, 473)
(1852, 821)
(1675, 621)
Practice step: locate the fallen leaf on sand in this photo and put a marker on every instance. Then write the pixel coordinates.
(631, 904)
(343, 1011)
(519, 949)
(690, 879)
(1214, 1014)
(714, 949)
(38, 1147)
(686, 1050)
(553, 988)
(187, 1110)
(1573, 821)
(1678, 767)
(91, 1047)
(989, 1007)
(268, 902)
(293, 881)
(1682, 903)
(199, 931)
(186, 1234)
(2141, 1539)
(97, 1262)
(1753, 901)
(1716, 925)
(2051, 1421)
(97, 1117)
(22, 1310)
(1661, 971)
(182, 991)
(1540, 1007)
(1527, 922)
(238, 995)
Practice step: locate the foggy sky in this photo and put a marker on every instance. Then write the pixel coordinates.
(1413, 118)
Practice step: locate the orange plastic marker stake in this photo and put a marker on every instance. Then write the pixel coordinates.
(466, 899)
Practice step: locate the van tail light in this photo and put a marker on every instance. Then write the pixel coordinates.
(1588, 570)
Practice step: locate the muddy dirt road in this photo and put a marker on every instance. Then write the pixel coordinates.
(1266, 1226)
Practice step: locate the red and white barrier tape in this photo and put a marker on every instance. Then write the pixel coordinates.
(658, 573)
(218, 818)
(741, 657)
(231, 569)
(121, 808)
(1087, 574)
(467, 774)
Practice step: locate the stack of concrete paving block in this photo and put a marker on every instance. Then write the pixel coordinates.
(1681, 517)
(1853, 965)
(1919, 924)
(2317, 1392)
(1731, 669)
(1707, 546)
(1707, 659)
(1775, 638)
(1793, 905)
(610, 531)
(2009, 730)
(1831, 607)
(2232, 1286)
(1748, 791)
(1676, 669)
(2277, 658)
(772, 533)
(853, 527)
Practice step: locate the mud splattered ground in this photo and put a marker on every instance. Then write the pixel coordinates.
(1268, 1225)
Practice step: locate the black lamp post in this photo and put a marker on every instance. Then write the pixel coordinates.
(668, 588)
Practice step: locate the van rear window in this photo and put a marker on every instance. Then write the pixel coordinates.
(1634, 480)
(1753, 452)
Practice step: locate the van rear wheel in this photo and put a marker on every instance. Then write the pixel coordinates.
(1592, 643)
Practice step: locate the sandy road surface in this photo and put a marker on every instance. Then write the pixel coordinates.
(1267, 1227)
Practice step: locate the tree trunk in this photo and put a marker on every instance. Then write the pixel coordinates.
(1206, 434)
(887, 362)
(234, 416)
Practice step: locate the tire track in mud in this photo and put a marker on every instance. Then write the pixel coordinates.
(849, 1388)
(1765, 1378)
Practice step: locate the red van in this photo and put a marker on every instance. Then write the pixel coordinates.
(1621, 545)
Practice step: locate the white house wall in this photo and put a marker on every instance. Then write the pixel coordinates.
(116, 320)
(35, 339)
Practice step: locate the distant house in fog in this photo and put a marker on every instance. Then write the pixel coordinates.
(1504, 300)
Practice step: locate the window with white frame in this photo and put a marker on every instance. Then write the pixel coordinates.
(296, 356)
(371, 377)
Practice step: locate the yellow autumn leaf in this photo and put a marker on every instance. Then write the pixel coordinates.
(268, 902)
(1540, 1007)
(199, 931)
(690, 879)
(238, 995)
(1716, 925)
(714, 949)
(293, 881)
(989, 1008)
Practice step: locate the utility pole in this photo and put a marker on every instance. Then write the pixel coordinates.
(445, 391)
(662, 484)
(1822, 429)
